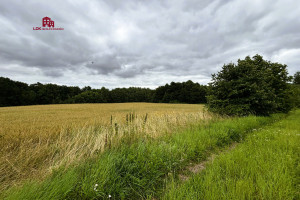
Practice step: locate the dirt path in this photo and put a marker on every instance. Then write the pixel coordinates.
(195, 168)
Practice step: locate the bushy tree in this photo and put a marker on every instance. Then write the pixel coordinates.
(252, 86)
(89, 96)
(296, 79)
(296, 90)
(185, 92)
(296, 95)
(14, 93)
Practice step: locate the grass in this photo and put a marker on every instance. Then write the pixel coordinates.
(35, 140)
(139, 169)
(265, 166)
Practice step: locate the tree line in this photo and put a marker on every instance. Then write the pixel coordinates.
(15, 93)
(252, 86)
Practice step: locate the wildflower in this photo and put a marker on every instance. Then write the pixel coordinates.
(95, 187)
(109, 196)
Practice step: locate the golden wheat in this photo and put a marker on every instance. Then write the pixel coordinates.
(34, 140)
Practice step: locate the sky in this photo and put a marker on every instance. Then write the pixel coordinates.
(140, 43)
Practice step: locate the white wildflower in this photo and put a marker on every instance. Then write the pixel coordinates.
(109, 196)
(95, 187)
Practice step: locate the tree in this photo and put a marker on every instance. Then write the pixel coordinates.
(296, 79)
(185, 92)
(14, 93)
(89, 96)
(86, 88)
(252, 86)
(296, 90)
(159, 94)
(296, 95)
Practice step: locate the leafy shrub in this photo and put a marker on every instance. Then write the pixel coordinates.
(296, 79)
(252, 86)
(296, 95)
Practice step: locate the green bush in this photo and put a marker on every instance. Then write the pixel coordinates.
(296, 78)
(252, 86)
(296, 95)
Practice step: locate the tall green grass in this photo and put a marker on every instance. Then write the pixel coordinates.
(265, 166)
(139, 170)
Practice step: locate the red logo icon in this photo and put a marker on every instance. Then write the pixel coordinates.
(47, 22)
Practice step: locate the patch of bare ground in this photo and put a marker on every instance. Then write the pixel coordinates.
(195, 168)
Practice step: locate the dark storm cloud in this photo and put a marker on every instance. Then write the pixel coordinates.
(143, 42)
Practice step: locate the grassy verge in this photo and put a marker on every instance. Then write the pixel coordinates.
(265, 166)
(139, 170)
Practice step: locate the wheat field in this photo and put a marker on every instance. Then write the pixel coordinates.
(35, 140)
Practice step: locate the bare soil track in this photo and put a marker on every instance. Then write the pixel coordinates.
(195, 168)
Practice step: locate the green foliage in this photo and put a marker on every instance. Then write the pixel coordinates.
(185, 92)
(139, 169)
(295, 95)
(92, 96)
(13, 93)
(131, 94)
(296, 90)
(52, 93)
(296, 79)
(252, 86)
(265, 166)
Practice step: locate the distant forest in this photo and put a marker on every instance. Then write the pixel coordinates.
(15, 93)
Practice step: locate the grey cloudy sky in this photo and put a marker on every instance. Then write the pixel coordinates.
(142, 43)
